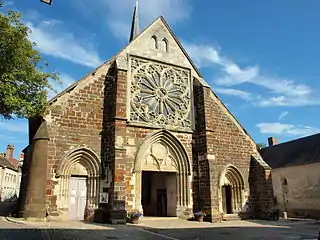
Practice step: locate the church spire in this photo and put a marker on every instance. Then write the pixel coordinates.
(135, 23)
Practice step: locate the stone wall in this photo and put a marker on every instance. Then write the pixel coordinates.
(299, 188)
(261, 198)
(220, 141)
(75, 119)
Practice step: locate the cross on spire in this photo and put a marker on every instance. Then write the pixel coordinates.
(135, 29)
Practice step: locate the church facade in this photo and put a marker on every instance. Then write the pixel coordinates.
(143, 131)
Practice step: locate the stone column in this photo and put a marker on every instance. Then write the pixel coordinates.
(179, 202)
(183, 189)
(138, 191)
(62, 195)
(190, 202)
(237, 199)
(35, 203)
(89, 191)
(233, 198)
(97, 194)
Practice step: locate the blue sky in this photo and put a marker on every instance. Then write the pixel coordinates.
(260, 57)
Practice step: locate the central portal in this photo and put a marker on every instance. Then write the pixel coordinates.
(159, 194)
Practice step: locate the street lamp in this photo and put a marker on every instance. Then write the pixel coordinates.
(46, 1)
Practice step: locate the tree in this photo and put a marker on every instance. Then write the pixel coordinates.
(261, 145)
(23, 79)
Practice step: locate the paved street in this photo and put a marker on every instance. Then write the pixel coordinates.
(160, 229)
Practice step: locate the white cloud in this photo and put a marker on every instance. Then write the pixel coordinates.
(283, 115)
(286, 91)
(13, 126)
(52, 39)
(289, 101)
(276, 128)
(235, 92)
(118, 14)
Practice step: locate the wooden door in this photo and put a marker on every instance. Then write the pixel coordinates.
(77, 198)
(162, 202)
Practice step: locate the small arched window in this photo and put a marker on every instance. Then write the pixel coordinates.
(164, 45)
(154, 42)
(284, 182)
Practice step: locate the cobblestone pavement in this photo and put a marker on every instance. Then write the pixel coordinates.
(254, 229)
(160, 229)
(71, 231)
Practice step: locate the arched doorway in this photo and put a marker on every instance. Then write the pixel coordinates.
(231, 190)
(78, 183)
(162, 176)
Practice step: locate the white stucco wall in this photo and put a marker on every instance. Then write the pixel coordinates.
(9, 183)
(302, 193)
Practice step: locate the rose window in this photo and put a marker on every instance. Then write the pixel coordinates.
(160, 94)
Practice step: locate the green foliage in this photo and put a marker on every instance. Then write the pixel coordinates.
(261, 145)
(23, 79)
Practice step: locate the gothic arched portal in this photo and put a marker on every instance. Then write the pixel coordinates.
(162, 159)
(78, 176)
(232, 190)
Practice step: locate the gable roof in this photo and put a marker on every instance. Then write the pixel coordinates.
(5, 163)
(197, 71)
(179, 44)
(297, 152)
(74, 85)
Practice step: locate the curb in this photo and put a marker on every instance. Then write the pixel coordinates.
(43, 232)
(9, 219)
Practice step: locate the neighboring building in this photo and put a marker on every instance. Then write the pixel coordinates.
(10, 175)
(144, 131)
(296, 175)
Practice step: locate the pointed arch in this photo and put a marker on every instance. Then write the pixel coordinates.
(231, 183)
(154, 40)
(232, 176)
(173, 150)
(79, 161)
(174, 145)
(165, 45)
(81, 155)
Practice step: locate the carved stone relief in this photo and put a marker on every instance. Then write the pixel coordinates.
(158, 158)
(160, 94)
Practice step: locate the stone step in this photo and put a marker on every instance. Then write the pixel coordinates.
(230, 217)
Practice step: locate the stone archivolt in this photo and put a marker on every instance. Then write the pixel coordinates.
(231, 176)
(160, 94)
(163, 152)
(79, 161)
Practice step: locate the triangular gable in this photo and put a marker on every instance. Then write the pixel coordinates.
(122, 61)
(176, 55)
(142, 46)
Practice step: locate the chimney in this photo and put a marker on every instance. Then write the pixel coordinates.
(272, 141)
(9, 152)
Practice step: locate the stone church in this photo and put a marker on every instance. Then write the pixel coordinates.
(143, 131)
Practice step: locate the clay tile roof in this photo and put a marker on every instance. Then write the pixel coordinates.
(15, 162)
(5, 163)
(297, 152)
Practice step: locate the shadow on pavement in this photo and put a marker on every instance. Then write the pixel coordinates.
(6, 207)
(201, 232)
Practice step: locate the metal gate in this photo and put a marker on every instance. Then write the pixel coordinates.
(77, 198)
